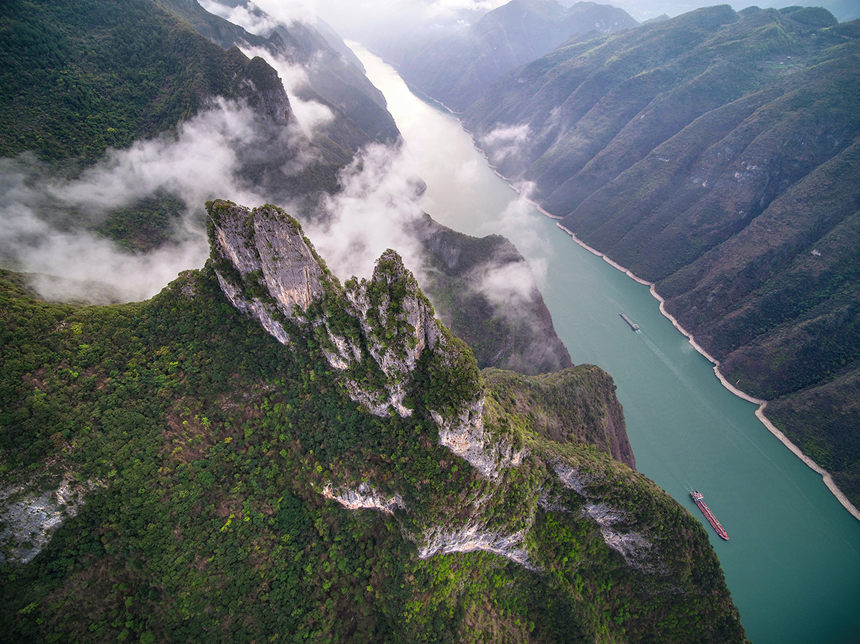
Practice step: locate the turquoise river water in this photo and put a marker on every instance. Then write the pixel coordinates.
(793, 561)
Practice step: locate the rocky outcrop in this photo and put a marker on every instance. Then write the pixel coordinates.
(397, 323)
(364, 497)
(473, 537)
(29, 519)
(632, 545)
(267, 248)
(464, 435)
(383, 343)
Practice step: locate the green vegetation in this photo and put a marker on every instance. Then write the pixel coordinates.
(570, 406)
(201, 446)
(518, 335)
(716, 154)
(78, 78)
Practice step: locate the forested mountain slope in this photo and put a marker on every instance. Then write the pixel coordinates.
(335, 77)
(78, 78)
(353, 477)
(716, 155)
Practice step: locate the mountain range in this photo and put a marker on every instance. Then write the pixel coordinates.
(499, 41)
(714, 154)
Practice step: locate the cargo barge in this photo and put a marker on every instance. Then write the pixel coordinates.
(632, 324)
(699, 499)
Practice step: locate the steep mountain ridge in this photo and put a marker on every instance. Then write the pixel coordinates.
(210, 458)
(105, 51)
(335, 78)
(714, 154)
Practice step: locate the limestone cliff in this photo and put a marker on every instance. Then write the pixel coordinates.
(374, 332)
(391, 355)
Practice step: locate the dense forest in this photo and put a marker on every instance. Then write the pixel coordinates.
(202, 463)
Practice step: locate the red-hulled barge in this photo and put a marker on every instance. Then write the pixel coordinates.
(699, 499)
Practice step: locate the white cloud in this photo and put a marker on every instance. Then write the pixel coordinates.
(252, 21)
(374, 210)
(79, 266)
(199, 162)
(310, 115)
(516, 223)
(262, 16)
(505, 142)
(289, 11)
(507, 284)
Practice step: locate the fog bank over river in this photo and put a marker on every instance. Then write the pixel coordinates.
(793, 562)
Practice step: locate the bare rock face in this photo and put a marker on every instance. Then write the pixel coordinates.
(364, 497)
(473, 537)
(380, 328)
(633, 546)
(398, 325)
(464, 435)
(267, 248)
(395, 315)
(28, 519)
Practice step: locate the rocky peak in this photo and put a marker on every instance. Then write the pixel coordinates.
(375, 333)
(398, 318)
(263, 253)
(266, 92)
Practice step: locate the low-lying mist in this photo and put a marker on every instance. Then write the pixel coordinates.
(48, 221)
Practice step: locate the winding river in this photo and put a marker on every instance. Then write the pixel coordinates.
(793, 562)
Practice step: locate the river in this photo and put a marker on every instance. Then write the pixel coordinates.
(793, 561)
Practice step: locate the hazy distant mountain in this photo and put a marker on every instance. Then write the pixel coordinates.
(844, 10)
(458, 66)
(716, 154)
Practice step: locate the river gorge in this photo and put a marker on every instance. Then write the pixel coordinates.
(793, 561)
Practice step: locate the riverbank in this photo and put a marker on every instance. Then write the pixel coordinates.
(762, 404)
